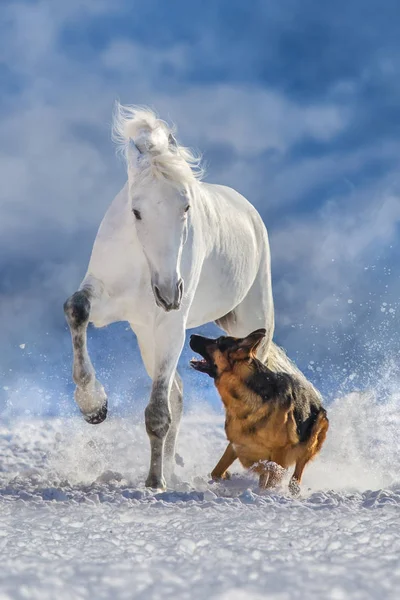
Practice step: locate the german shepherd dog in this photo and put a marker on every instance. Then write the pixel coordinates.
(273, 419)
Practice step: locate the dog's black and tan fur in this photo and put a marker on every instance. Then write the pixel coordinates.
(272, 418)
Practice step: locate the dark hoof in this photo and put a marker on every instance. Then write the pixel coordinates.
(98, 417)
(158, 485)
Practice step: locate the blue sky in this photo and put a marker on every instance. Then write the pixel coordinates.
(295, 104)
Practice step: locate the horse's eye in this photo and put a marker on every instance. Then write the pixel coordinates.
(187, 208)
(137, 214)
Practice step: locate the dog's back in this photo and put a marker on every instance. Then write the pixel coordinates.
(288, 388)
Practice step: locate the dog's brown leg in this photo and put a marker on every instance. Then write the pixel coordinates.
(294, 484)
(228, 457)
(311, 448)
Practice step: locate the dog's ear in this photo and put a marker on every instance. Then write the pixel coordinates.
(251, 342)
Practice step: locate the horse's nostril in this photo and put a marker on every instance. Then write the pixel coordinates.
(158, 295)
(170, 297)
(161, 301)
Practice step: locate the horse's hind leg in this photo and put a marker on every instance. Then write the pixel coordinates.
(255, 311)
(89, 394)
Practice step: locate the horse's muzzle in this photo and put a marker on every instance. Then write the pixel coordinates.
(166, 298)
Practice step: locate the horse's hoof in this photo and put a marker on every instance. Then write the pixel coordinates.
(156, 484)
(97, 417)
(92, 401)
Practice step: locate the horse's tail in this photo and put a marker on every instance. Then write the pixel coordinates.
(277, 360)
(152, 136)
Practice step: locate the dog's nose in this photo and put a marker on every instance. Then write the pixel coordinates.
(198, 343)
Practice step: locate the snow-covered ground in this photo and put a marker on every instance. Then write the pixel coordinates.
(76, 521)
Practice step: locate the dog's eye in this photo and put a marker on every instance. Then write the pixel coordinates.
(137, 214)
(187, 208)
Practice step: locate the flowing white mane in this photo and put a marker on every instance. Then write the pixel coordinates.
(166, 159)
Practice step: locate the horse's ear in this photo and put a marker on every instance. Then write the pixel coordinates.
(173, 144)
(133, 153)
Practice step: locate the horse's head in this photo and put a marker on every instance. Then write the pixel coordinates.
(161, 176)
(160, 216)
(160, 212)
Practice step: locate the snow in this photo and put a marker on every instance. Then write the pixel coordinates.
(77, 522)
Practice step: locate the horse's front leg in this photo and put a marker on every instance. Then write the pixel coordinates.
(89, 394)
(169, 338)
(176, 407)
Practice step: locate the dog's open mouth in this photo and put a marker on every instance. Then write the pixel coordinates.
(205, 364)
(200, 365)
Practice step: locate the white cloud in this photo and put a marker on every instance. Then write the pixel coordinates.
(58, 169)
(327, 253)
(53, 174)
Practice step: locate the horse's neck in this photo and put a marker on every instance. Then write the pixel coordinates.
(208, 214)
(118, 221)
(117, 238)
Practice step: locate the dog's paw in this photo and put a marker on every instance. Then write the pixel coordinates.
(220, 477)
(294, 488)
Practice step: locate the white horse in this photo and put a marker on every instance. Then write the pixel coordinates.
(171, 253)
